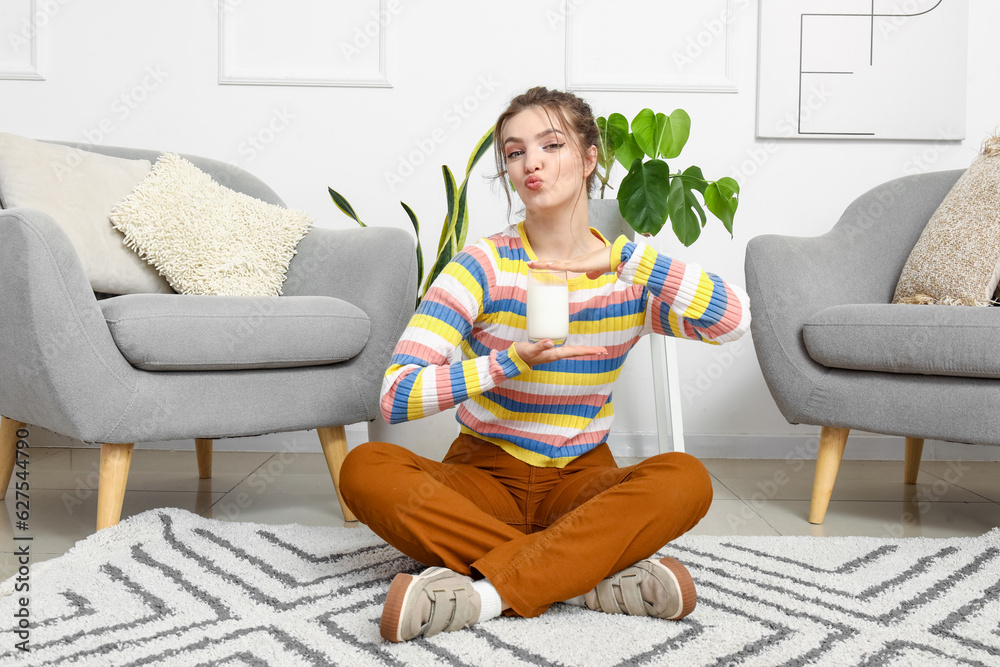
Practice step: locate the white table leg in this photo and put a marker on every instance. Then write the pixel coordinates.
(667, 392)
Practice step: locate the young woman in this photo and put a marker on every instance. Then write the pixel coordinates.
(528, 507)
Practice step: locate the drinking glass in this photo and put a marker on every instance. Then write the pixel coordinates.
(548, 306)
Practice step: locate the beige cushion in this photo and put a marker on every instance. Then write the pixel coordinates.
(956, 260)
(78, 188)
(206, 238)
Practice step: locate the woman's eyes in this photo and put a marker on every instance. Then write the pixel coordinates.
(554, 146)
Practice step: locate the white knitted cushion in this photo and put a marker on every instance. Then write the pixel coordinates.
(205, 238)
(78, 188)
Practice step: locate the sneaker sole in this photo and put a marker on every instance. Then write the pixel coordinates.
(395, 602)
(685, 584)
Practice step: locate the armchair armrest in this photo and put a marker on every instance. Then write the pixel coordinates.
(789, 279)
(374, 268)
(60, 366)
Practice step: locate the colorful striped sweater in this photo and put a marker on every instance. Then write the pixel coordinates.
(458, 349)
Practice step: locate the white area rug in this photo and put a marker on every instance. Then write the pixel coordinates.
(169, 587)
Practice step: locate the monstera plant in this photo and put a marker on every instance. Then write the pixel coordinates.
(651, 193)
(456, 220)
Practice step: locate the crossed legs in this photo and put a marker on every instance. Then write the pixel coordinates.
(539, 535)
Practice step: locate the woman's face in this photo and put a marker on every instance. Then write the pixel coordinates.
(543, 162)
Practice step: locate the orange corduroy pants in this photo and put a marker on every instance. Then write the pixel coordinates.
(539, 535)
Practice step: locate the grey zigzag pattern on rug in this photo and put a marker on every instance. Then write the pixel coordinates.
(170, 587)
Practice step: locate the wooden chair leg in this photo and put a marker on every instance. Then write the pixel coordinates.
(8, 451)
(115, 462)
(334, 442)
(203, 447)
(831, 449)
(914, 449)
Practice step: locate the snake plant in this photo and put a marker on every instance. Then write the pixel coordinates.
(456, 221)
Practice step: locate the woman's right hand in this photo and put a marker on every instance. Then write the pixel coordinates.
(545, 351)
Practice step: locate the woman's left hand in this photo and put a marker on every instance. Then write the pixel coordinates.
(594, 264)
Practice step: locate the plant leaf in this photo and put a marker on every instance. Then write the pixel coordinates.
(663, 136)
(614, 133)
(461, 222)
(455, 227)
(447, 244)
(722, 198)
(462, 225)
(680, 129)
(420, 251)
(642, 195)
(447, 229)
(694, 180)
(482, 146)
(439, 263)
(645, 133)
(687, 217)
(606, 150)
(619, 125)
(628, 152)
(652, 133)
(345, 206)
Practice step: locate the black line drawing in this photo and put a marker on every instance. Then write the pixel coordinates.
(871, 15)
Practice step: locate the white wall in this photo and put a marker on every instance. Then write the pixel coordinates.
(145, 74)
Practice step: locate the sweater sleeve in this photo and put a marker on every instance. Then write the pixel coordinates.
(684, 301)
(427, 373)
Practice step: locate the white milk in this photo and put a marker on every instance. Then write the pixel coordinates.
(548, 312)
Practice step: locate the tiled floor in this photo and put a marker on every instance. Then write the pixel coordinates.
(752, 497)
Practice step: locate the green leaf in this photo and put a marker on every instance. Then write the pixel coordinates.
(462, 224)
(687, 217)
(344, 206)
(614, 133)
(442, 260)
(628, 152)
(680, 129)
(482, 147)
(642, 195)
(664, 135)
(606, 147)
(729, 185)
(420, 251)
(694, 180)
(455, 227)
(447, 229)
(447, 245)
(652, 132)
(722, 198)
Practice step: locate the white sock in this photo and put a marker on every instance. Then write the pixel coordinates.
(578, 601)
(492, 605)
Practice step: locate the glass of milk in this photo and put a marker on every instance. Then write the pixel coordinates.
(548, 306)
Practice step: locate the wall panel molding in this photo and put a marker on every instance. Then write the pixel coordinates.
(23, 33)
(311, 43)
(686, 46)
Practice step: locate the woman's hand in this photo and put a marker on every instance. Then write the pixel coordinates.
(594, 264)
(545, 351)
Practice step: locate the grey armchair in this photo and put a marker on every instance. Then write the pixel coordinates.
(836, 353)
(62, 368)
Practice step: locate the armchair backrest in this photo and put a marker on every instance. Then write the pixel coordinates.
(791, 278)
(875, 235)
